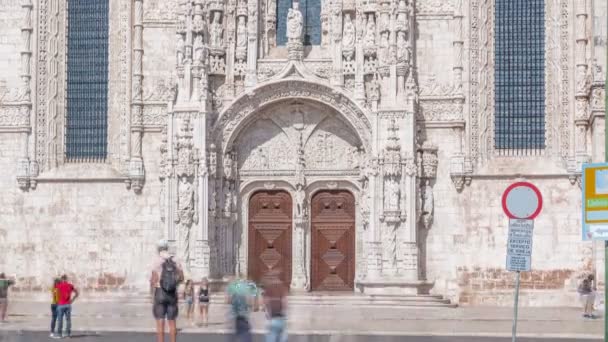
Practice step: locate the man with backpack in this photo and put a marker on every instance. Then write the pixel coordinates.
(165, 279)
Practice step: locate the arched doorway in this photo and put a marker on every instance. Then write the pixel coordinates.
(270, 222)
(333, 241)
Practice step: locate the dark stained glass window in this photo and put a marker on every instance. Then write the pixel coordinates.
(87, 80)
(519, 75)
(311, 13)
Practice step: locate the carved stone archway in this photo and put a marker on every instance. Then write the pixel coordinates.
(236, 116)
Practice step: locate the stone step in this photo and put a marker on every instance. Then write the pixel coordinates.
(346, 300)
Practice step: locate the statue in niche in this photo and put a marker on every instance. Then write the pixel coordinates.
(241, 35)
(241, 39)
(427, 204)
(370, 31)
(180, 48)
(186, 201)
(348, 38)
(384, 49)
(295, 23)
(403, 51)
(216, 31)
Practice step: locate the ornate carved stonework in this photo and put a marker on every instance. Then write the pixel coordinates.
(441, 110)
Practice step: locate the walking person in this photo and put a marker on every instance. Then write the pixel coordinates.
(4, 285)
(54, 301)
(189, 298)
(166, 276)
(65, 290)
(203, 301)
(241, 295)
(275, 295)
(587, 292)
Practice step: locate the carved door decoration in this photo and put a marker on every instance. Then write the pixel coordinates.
(270, 222)
(333, 241)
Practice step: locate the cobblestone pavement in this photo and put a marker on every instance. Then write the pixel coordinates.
(343, 320)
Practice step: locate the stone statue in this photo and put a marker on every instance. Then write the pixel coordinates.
(348, 38)
(391, 192)
(241, 33)
(300, 198)
(186, 201)
(180, 48)
(370, 31)
(373, 89)
(217, 31)
(228, 172)
(403, 53)
(384, 49)
(427, 204)
(199, 49)
(295, 23)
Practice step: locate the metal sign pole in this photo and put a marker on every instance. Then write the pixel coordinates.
(605, 242)
(514, 331)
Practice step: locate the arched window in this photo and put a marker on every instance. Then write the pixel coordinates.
(311, 12)
(86, 134)
(519, 75)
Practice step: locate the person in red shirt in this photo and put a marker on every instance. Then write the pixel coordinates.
(64, 305)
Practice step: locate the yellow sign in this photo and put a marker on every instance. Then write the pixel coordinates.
(595, 201)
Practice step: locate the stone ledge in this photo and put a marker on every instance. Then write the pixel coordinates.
(82, 172)
(394, 287)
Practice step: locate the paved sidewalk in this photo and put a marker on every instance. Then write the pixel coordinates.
(468, 321)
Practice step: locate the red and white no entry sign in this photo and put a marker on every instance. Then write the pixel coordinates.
(522, 200)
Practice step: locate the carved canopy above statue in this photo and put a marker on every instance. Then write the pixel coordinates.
(242, 111)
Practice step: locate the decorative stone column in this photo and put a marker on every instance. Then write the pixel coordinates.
(136, 164)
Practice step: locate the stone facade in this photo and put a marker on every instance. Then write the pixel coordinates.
(395, 106)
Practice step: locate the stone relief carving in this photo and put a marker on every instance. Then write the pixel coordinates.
(160, 10)
(14, 116)
(441, 110)
(155, 115)
(163, 90)
(239, 111)
(435, 6)
(429, 86)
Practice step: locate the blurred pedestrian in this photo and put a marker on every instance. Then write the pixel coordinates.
(587, 292)
(203, 301)
(166, 276)
(275, 295)
(242, 295)
(4, 285)
(65, 290)
(54, 301)
(189, 299)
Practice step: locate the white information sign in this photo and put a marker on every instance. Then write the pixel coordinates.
(519, 245)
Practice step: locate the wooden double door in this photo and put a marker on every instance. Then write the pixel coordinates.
(332, 238)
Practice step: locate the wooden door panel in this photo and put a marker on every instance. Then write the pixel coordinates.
(270, 235)
(333, 241)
